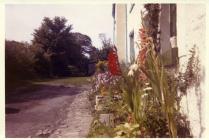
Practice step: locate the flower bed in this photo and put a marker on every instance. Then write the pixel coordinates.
(142, 98)
(143, 101)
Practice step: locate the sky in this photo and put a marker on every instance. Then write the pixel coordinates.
(89, 19)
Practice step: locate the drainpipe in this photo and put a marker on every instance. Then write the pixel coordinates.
(114, 21)
(113, 31)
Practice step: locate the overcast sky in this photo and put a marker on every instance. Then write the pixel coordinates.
(89, 19)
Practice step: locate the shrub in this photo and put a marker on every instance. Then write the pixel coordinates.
(20, 61)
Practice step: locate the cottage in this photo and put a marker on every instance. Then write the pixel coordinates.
(178, 28)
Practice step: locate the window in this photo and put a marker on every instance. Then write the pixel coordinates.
(132, 50)
(172, 20)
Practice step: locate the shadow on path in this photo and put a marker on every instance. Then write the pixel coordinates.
(40, 92)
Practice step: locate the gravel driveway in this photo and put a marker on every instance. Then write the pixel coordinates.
(51, 110)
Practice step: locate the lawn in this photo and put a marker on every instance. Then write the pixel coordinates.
(76, 81)
(32, 85)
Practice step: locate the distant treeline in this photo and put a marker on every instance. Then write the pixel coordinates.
(54, 51)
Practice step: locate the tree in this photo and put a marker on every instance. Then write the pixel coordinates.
(81, 39)
(106, 47)
(55, 39)
(59, 46)
(53, 34)
(19, 61)
(89, 52)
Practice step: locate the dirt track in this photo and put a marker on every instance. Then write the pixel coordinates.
(49, 110)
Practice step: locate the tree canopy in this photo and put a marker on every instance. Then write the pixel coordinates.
(61, 46)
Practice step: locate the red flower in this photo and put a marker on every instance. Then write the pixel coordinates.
(142, 53)
(142, 56)
(113, 63)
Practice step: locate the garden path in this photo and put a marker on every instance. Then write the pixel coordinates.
(78, 119)
(55, 108)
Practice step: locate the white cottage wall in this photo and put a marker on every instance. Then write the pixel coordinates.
(120, 31)
(191, 26)
(134, 24)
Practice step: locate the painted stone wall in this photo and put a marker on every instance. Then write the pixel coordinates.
(191, 26)
(120, 31)
(133, 25)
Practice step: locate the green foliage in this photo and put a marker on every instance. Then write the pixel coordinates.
(81, 39)
(53, 34)
(142, 112)
(59, 47)
(53, 37)
(127, 130)
(99, 130)
(166, 97)
(106, 47)
(20, 61)
(53, 51)
(132, 93)
(154, 108)
(101, 66)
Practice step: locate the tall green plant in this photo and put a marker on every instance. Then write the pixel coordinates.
(151, 65)
(132, 89)
(132, 95)
(159, 82)
(163, 95)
